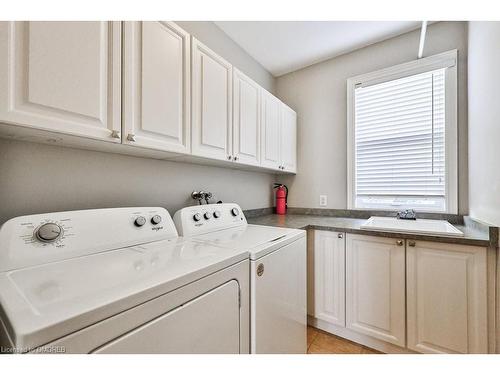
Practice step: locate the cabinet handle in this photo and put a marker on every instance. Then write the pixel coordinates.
(131, 137)
(340, 235)
(411, 243)
(400, 242)
(115, 134)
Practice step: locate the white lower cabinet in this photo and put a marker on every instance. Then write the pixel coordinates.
(447, 301)
(327, 287)
(375, 287)
(427, 297)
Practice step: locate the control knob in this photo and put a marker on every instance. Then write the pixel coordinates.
(48, 232)
(216, 214)
(235, 211)
(196, 217)
(207, 215)
(140, 221)
(156, 219)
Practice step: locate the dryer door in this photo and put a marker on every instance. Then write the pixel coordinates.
(209, 323)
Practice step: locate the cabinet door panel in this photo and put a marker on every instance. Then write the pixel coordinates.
(329, 277)
(246, 119)
(446, 298)
(211, 103)
(62, 76)
(270, 131)
(288, 139)
(157, 86)
(375, 287)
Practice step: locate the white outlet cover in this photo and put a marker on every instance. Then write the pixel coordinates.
(323, 200)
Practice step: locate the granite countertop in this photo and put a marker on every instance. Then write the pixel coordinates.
(472, 235)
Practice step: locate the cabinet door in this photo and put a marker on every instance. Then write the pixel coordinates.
(211, 103)
(246, 119)
(62, 76)
(446, 298)
(329, 277)
(156, 94)
(270, 131)
(375, 287)
(288, 139)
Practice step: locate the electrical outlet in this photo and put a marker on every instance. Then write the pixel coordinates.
(323, 200)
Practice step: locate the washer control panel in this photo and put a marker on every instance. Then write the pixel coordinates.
(206, 218)
(39, 239)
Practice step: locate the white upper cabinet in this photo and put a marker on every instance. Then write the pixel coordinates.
(447, 300)
(288, 146)
(63, 77)
(375, 287)
(270, 130)
(211, 104)
(156, 92)
(328, 288)
(246, 119)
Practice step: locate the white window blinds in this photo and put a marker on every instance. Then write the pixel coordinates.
(400, 138)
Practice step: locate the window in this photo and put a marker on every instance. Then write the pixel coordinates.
(402, 137)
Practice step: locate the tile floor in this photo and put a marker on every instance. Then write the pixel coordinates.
(321, 342)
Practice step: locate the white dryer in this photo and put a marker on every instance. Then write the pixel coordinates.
(277, 271)
(118, 281)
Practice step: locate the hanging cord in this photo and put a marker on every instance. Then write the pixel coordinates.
(432, 123)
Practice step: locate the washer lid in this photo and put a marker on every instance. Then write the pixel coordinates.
(258, 240)
(42, 303)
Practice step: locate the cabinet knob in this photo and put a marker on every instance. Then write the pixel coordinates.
(400, 242)
(229, 157)
(283, 167)
(131, 137)
(411, 243)
(235, 158)
(115, 134)
(340, 235)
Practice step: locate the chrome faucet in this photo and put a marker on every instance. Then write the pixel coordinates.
(407, 215)
(201, 195)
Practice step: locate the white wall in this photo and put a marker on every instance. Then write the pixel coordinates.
(484, 121)
(37, 178)
(318, 94)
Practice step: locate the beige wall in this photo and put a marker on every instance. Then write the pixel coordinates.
(37, 178)
(318, 94)
(484, 121)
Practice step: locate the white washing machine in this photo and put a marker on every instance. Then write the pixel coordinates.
(118, 281)
(277, 272)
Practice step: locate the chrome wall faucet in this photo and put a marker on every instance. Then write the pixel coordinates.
(201, 195)
(407, 215)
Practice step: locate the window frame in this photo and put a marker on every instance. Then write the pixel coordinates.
(447, 60)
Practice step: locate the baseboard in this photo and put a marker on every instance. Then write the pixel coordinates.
(348, 334)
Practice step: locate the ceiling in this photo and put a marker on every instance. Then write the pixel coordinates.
(284, 46)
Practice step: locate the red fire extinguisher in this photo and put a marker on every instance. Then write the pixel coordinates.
(281, 198)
